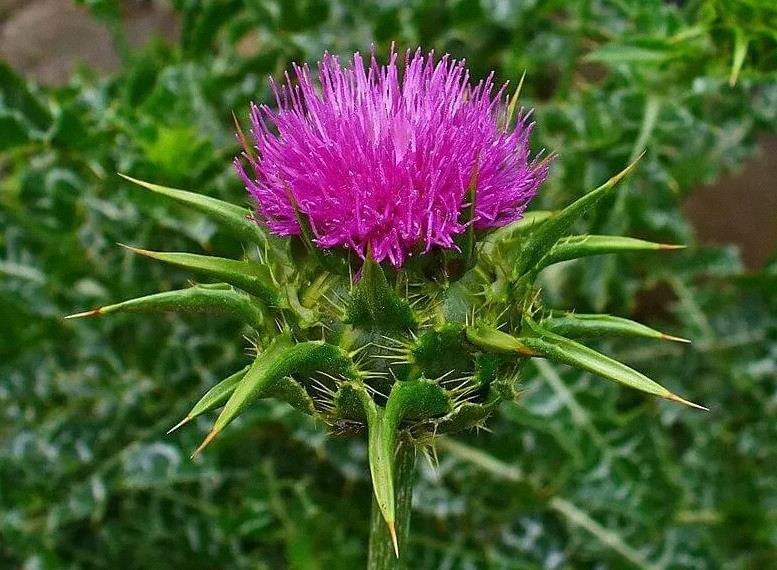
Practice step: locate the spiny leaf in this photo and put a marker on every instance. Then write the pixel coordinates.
(197, 299)
(280, 360)
(576, 325)
(233, 218)
(442, 349)
(305, 317)
(575, 247)
(374, 304)
(491, 339)
(411, 398)
(250, 387)
(246, 275)
(529, 221)
(416, 399)
(468, 414)
(550, 231)
(566, 351)
(348, 403)
(381, 445)
(213, 398)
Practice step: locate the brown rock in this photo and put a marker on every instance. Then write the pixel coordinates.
(741, 208)
(46, 39)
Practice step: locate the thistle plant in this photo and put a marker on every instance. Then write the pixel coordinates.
(390, 265)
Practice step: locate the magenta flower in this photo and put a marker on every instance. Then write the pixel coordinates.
(382, 157)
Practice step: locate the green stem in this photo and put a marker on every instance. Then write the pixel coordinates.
(382, 556)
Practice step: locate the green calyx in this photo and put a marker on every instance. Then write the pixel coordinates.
(405, 355)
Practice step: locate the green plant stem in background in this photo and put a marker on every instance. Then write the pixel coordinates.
(382, 555)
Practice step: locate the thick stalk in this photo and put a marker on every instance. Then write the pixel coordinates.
(382, 556)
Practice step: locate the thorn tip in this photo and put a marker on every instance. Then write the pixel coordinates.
(623, 173)
(180, 424)
(135, 181)
(393, 532)
(92, 313)
(676, 398)
(133, 249)
(205, 442)
(675, 338)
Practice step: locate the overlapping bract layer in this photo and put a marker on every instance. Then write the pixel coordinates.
(404, 361)
(381, 158)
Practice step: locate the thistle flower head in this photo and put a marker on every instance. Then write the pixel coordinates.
(376, 163)
(382, 156)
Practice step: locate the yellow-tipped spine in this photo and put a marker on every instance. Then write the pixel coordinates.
(205, 443)
(393, 532)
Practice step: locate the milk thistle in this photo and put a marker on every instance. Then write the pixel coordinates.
(390, 264)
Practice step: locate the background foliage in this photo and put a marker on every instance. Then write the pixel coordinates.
(578, 474)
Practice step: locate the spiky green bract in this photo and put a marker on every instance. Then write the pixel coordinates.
(576, 247)
(548, 234)
(420, 400)
(214, 398)
(529, 222)
(577, 325)
(405, 355)
(215, 298)
(236, 219)
(375, 305)
(282, 371)
(493, 340)
(246, 275)
(540, 342)
(441, 350)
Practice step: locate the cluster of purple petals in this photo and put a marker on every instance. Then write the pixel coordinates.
(381, 156)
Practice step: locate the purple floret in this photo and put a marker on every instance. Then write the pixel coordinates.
(382, 158)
